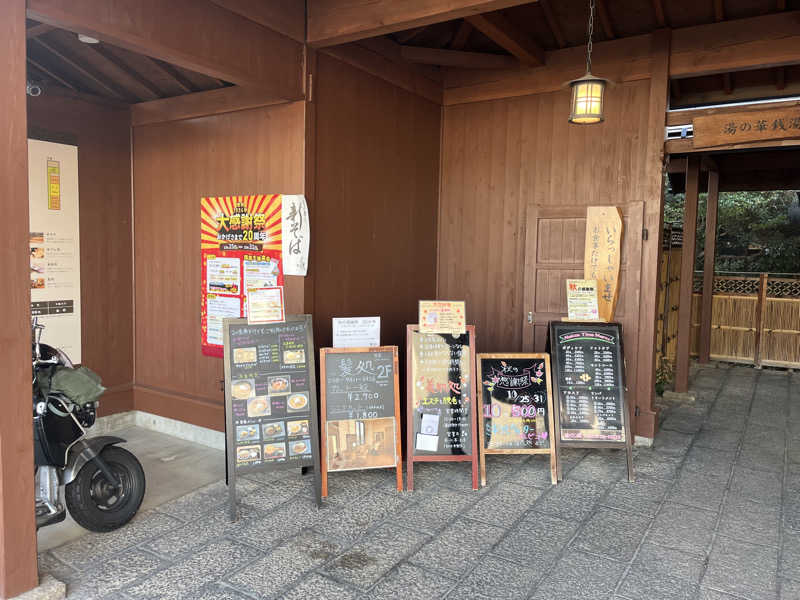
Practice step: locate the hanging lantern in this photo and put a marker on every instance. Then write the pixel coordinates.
(587, 91)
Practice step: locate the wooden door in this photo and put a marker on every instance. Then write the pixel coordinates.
(554, 251)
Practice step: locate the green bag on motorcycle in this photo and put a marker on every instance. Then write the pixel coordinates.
(81, 385)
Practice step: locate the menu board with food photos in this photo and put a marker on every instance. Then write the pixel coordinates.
(516, 410)
(589, 379)
(359, 404)
(270, 397)
(440, 388)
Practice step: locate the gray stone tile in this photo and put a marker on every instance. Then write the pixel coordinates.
(670, 562)
(551, 534)
(273, 573)
(219, 591)
(700, 490)
(759, 486)
(285, 521)
(708, 460)
(683, 528)
(317, 586)
(270, 495)
(791, 512)
(504, 504)
(494, 577)
(611, 533)
(650, 463)
(718, 439)
(410, 583)
(672, 442)
(114, 573)
(50, 565)
(643, 496)
(760, 458)
(375, 555)
(740, 568)
(211, 526)
(571, 499)
(709, 594)
(205, 499)
(458, 546)
(750, 521)
(568, 580)
(535, 473)
(790, 590)
(86, 551)
(642, 583)
(600, 467)
(436, 511)
(350, 523)
(683, 422)
(790, 557)
(185, 578)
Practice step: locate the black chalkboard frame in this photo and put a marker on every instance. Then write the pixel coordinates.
(627, 444)
(551, 430)
(411, 458)
(230, 443)
(323, 353)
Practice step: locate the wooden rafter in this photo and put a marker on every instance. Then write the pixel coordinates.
(506, 35)
(458, 58)
(50, 73)
(719, 10)
(552, 23)
(780, 5)
(661, 17)
(117, 63)
(37, 30)
(462, 35)
(403, 37)
(173, 74)
(605, 19)
(83, 70)
(727, 83)
(780, 78)
(332, 22)
(285, 16)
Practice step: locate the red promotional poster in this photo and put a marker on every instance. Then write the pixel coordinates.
(240, 245)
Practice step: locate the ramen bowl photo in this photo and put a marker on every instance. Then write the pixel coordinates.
(259, 407)
(274, 450)
(243, 389)
(294, 357)
(300, 447)
(248, 454)
(279, 385)
(273, 430)
(297, 402)
(246, 433)
(297, 427)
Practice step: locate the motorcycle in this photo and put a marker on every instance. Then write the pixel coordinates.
(101, 484)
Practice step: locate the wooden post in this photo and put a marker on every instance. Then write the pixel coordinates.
(18, 570)
(761, 304)
(687, 274)
(708, 267)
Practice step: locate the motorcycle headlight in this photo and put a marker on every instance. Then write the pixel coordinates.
(41, 407)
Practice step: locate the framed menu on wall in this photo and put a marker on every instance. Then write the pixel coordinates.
(270, 399)
(516, 409)
(440, 387)
(589, 379)
(360, 408)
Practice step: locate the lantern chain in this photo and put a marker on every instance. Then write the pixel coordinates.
(590, 35)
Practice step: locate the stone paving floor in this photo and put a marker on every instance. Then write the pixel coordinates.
(714, 515)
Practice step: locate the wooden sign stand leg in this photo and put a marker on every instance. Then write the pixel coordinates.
(629, 448)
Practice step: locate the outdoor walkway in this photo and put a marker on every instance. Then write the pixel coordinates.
(714, 515)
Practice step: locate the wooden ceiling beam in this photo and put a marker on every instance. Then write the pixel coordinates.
(727, 83)
(332, 22)
(37, 30)
(199, 36)
(462, 35)
(168, 70)
(719, 10)
(553, 24)
(83, 70)
(117, 63)
(661, 17)
(458, 58)
(780, 78)
(284, 16)
(49, 72)
(780, 5)
(403, 37)
(506, 35)
(605, 19)
(736, 45)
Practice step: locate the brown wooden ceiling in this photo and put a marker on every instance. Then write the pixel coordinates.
(57, 58)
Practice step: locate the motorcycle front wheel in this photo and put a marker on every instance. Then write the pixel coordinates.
(98, 505)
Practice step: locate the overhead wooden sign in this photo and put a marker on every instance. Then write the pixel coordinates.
(589, 381)
(270, 399)
(516, 410)
(602, 255)
(440, 387)
(360, 407)
(747, 126)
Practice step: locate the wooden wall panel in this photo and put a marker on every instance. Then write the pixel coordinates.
(175, 164)
(104, 178)
(500, 156)
(377, 177)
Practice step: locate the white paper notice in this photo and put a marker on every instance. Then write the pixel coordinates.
(221, 307)
(296, 232)
(265, 305)
(260, 274)
(224, 276)
(427, 442)
(55, 265)
(357, 332)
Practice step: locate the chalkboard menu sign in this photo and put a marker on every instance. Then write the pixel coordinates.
(516, 410)
(360, 404)
(270, 397)
(589, 375)
(441, 393)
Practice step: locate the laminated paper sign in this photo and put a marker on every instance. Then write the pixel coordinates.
(582, 300)
(442, 316)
